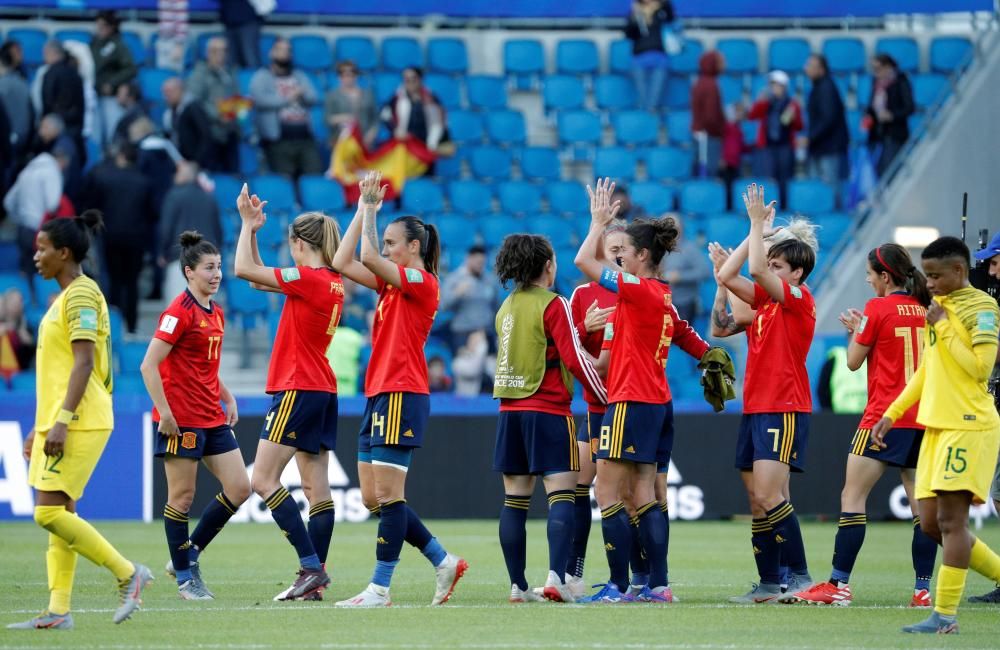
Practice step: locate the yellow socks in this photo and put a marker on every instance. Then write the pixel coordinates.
(984, 561)
(83, 538)
(950, 585)
(61, 563)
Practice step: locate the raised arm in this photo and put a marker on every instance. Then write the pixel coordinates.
(759, 214)
(589, 258)
(372, 193)
(247, 264)
(723, 323)
(345, 262)
(729, 274)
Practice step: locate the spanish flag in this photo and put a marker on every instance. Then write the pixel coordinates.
(9, 365)
(397, 160)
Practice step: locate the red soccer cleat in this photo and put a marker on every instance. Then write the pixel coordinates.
(826, 593)
(921, 599)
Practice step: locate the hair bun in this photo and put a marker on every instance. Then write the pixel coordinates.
(92, 220)
(190, 238)
(666, 233)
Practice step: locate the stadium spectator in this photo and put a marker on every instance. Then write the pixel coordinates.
(349, 104)
(629, 211)
(187, 206)
(649, 58)
(16, 99)
(128, 98)
(61, 92)
(827, 137)
(172, 22)
(36, 192)
(187, 125)
(17, 342)
(79, 56)
(6, 155)
(415, 112)
(708, 119)
(685, 268)
(242, 25)
(113, 66)
(437, 375)
(733, 148)
(282, 98)
(13, 50)
(471, 294)
(212, 84)
(471, 365)
(780, 119)
(52, 137)
(117, 188)
(889, 110)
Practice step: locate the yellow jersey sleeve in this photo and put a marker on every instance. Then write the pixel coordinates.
(82, 308)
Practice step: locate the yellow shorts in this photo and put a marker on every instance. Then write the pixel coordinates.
(69, 471)
(954, 461)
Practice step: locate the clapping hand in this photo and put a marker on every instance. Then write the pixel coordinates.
(372, 190)
(851, 320)
(251, 208)
(602, 211)
(757, 210)
(596, 317)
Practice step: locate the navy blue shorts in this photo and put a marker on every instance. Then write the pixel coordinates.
(637, 432)
(532, 442)
(304, 419)
(393, 420)
(903, 446)
(196, 443)
(591, 433)
(773, 436)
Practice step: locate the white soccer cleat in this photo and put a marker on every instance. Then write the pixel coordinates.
(556, 590)
(448, 573)
(527, 596)
(372, 596)
(284, 594)
(577, 587)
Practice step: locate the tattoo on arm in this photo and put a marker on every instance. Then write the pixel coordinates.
(370, 231)
(725, 321)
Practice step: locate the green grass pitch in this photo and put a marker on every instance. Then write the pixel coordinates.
(248, 564)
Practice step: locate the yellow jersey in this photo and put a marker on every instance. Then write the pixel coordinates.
(79, 313)
(950, 397)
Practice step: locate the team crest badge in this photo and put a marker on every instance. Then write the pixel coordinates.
(291, 274)
(204, 323)
(189, 440)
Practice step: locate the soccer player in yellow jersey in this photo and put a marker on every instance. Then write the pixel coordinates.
(960, 445)
(73, 421)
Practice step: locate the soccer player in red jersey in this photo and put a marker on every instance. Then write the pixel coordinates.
(776, 396)
(395, 384)
(538, 355)
(181, 372)
(590, 304)
(302, 419)
(889, 335)
(637, 431)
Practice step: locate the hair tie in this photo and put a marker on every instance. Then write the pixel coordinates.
(888, 269)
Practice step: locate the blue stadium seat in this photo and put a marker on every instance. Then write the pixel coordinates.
(703, 196)
(928, 88)
(79, 35)
(506, 127)
(311, 52)
(447, 55)
(916, 123)
(151, 80)
(486, 92)
(422, 195)
(636, 128)
(614, 92)
(617, 163)
(949, 52)
(579, 128)
(620, 56)
(227, 188)
(400, 52)
(445, 88)
(243, 77)
(809, 196)
(863, 89)
(24, 382)
(320, 129)
(490, 162)
(577, 56)
(741, 54)
(668, 163)
(244, 302)
(845, 54)
(470, 196)
(731, 88)
(465, 127)
(8, 256)
(494, 227)
(359, 49)
(45, 290)
(32, 42)
(562, 92)
(136, 46)
(385, 85)
(740, 185)
(843, 83)
(321, 194)
(523, 57)
(276, 190)
(130, 356)
(854, 125)
(116, 323)
(448, 167)
(833, 227)
(653, 197)
(788, 54)
(15, 281)
(519, 197)
(679, 127)
(540, 164)
(557, 229)
(265, 44)
(726, 228)
(903, 49)
(455, 231)
(249, 159)
(677, 93)
(686, 61)
(567, 197)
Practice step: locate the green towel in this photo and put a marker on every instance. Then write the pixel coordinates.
(718, 377)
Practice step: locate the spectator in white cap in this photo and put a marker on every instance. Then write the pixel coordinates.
(780, 119)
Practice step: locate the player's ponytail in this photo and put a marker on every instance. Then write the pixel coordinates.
(658, 236)
(320, 232)
(895, 261)
(194, 247)
(522, 258)
(427, 236)
(75, 233)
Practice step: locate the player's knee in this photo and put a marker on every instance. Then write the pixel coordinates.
(182, 500)
(238, 494)
(45, 516)
(949, 525)
(262, 488)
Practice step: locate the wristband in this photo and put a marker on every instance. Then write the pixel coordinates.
(65, 416)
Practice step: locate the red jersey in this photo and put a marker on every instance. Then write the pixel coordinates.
(583, 297)
(639, 334)
(314, 300)
(403, 320)
(893, 329)
(778, 340)
(564, 348)
(190, 372)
